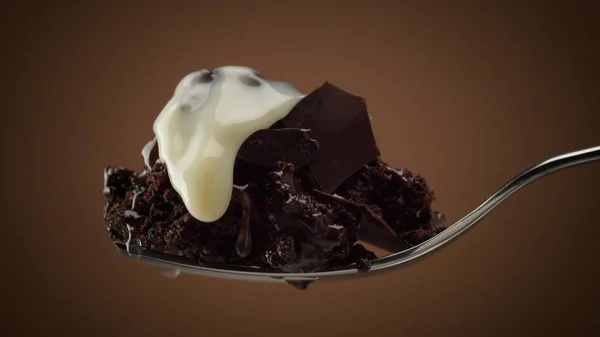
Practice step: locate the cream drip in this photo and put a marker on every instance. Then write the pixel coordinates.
(200, 130)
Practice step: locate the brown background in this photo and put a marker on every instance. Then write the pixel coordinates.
(467, 95)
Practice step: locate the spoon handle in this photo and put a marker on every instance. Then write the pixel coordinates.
(551, 165)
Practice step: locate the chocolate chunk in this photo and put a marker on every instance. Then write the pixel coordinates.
(340, 123)
(267, 147)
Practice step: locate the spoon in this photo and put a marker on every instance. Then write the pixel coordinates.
(385, 263)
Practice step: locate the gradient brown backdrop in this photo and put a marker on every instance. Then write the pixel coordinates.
(467, 95)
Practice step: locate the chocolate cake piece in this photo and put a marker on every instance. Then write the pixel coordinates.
(399, 197)
(289, 230)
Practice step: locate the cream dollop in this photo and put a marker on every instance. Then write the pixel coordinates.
(200, 130)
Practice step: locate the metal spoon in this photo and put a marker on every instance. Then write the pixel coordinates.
(385, 263)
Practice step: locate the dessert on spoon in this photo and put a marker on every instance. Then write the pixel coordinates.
(249, 178)
(248, 171)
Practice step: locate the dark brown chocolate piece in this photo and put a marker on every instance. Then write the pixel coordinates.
(267, 147)
(340, 122)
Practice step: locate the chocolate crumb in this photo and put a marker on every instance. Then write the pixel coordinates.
(302, 285)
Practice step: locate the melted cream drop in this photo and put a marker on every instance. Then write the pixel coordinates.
(202, 127)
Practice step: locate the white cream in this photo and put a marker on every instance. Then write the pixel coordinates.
(202, 127)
